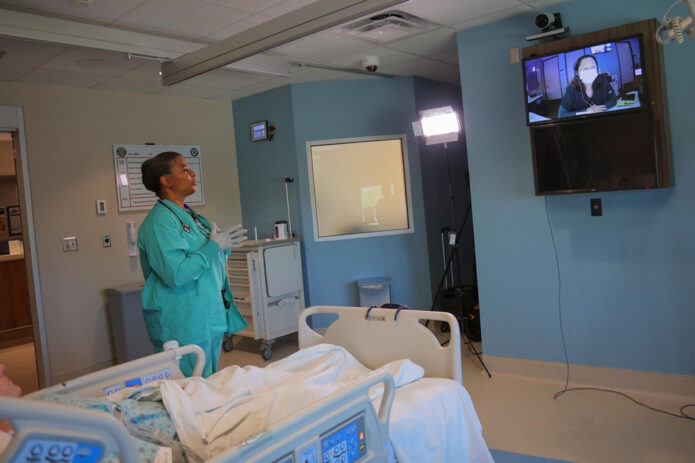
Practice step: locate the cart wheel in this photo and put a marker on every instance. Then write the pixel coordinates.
(267, 353)
(228, 344)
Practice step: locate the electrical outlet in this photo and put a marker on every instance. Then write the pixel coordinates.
(70, 244)
(596, 208)
(106, 240)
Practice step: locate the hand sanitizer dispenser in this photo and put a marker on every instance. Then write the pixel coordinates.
(132, 234)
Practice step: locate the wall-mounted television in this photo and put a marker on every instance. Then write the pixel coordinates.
(595, 107)
(593, 80)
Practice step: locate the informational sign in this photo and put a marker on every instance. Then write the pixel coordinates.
(132, 194)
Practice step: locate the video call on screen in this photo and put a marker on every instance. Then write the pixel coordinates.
(547, 78)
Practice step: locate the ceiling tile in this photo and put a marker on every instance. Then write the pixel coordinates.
(239, 26)
(418, 65)
(315, 75)
(387, 58)
(253, 89)
(223, 78)
(186, 18)
(131, 85)
(105, 11)
(492, 17)
(543, 3)
(322, 47)
(434, 42)
(89, 61)
(13, 72)
(252, 6)
(27, 54)
(186, 89)
(66, 78)
(449, 12)
(285, 7)
(451, 57)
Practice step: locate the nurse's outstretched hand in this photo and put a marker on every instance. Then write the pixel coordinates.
(227, 239)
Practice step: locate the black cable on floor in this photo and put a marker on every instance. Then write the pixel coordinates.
(681, 414)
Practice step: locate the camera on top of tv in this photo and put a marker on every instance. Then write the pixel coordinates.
(550, 25)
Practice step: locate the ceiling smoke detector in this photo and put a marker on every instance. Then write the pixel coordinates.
(388, 27)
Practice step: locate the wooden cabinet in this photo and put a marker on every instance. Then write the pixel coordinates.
(15, 315)
(7, 167)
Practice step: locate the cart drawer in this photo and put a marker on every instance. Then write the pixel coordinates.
(245, 308)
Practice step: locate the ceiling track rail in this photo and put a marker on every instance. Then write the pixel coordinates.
(316, 17)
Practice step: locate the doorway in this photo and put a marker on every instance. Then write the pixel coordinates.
(22, 337)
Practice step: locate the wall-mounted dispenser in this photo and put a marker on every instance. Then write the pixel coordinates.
(132, 234)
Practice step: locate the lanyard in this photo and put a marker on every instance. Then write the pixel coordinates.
(194, 215)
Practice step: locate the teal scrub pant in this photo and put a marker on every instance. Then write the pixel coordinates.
(211, 347)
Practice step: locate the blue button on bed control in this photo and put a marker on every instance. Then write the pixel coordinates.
(37, 449)
(54, 450)
(67, 451)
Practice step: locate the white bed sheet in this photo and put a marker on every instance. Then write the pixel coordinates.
(432, 420)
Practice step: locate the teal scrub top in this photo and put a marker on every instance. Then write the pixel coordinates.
(184, 273)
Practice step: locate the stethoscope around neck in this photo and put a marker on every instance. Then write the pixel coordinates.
(187, 228)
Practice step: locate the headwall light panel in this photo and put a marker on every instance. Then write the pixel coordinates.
(294, 25)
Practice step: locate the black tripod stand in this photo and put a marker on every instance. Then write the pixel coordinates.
(466, 330)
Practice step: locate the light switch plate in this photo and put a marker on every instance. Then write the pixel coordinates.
(106, 240)
(70, 244)
(101, 207)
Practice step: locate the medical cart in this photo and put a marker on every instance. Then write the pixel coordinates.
(268, 289)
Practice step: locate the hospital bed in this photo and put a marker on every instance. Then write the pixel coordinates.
(343, 426)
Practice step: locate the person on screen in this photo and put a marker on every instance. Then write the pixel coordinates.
(589, 91)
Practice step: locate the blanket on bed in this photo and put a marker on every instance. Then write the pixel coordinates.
(235, 404)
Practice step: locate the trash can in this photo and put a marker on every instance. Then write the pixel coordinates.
(130, 337)
(374, 291)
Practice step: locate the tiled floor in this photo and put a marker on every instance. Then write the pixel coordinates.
(518, 414)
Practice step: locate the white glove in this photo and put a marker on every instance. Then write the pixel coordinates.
(228, 239)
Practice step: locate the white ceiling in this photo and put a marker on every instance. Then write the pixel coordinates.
(186, 25)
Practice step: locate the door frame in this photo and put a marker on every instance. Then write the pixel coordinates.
(12, 120)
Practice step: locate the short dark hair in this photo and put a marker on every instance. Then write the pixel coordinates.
(155, 167)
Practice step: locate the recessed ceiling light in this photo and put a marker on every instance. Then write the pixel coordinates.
(83, 2)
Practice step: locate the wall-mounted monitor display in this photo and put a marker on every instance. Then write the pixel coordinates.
(593, 80)
(596, 111)
(259, 131)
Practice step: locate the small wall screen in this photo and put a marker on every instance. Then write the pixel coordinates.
(259, 131)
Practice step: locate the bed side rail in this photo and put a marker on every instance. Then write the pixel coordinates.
(377, 336)
(52, 432)
(304, 430)
(163, 365)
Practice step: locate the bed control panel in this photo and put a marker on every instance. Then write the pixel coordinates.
(347, 444)
(139, 381)
(55, 451)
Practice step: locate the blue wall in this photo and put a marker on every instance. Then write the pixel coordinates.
(627, 277)
(321, 111)
(263, 165)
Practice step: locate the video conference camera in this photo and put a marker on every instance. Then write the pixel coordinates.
(550, 25)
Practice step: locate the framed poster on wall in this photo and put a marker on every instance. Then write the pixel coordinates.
(132, 194)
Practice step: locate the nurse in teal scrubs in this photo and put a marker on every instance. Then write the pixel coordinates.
(187, 297)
